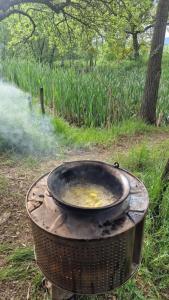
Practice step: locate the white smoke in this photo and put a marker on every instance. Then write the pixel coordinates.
(20, 129)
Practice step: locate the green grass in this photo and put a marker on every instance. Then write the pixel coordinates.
(5, 248)
(21, 254)
(16, 272)
(18, 264)
(99, 98)
(93, 136)
(152, 280)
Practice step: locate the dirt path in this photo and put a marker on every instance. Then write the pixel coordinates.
(16, 175)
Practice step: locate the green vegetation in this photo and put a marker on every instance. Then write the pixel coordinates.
(18, 265)
(152, 279)
(21, 254)
(5, 248)
(114, 30)
(99, 98)
(16, 272)
(89, 136)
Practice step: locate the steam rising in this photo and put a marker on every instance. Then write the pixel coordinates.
(20, 129)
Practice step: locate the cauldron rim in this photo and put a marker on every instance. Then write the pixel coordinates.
(115, 172)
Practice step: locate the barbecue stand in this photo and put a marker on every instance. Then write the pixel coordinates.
(87, 250)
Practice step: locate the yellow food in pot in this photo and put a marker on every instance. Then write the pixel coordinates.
(88, 195)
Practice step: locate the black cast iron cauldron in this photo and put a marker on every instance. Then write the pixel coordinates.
(86, 250)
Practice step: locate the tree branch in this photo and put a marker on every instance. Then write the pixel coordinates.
(17, 11)
(7, 4)
(144, 30)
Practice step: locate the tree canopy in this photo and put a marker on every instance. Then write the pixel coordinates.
(70, 25)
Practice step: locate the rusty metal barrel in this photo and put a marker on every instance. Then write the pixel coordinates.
(85, 251)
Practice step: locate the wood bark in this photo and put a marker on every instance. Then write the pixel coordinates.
(7, 7)
(42, 104)
(149, 101)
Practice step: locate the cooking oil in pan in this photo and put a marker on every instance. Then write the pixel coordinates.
(88, 195)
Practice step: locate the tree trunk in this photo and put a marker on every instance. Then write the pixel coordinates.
(149, 101)
(136, 46)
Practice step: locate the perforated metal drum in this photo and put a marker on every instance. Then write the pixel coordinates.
(83, 252)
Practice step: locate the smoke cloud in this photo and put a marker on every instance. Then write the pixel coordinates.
(20, 129)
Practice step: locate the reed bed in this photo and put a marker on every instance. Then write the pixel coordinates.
(96, 98)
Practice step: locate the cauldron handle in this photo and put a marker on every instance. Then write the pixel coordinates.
(116, 165)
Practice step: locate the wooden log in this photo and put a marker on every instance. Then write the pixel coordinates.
(42, 101)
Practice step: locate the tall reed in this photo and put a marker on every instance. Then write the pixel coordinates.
(97, 98)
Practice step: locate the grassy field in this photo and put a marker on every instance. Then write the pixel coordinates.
(86, 137)
(98, 98)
